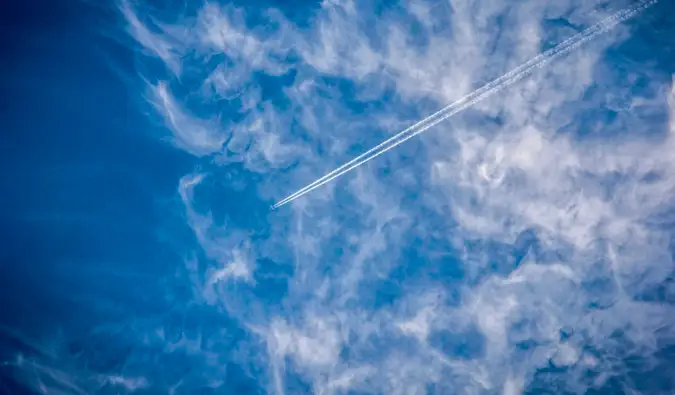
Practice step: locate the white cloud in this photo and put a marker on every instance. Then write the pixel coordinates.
(158, 43)
(373, 264)
(197, 136)
(238, 268)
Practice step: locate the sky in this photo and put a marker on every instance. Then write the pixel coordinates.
(522, 246)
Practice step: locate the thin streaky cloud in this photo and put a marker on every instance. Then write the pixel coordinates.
(476, 96)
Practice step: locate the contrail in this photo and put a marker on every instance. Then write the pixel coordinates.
(478, 95)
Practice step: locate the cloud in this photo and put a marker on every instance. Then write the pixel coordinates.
(517, 162)
(197, 136)
(159, 43)
(531, 231)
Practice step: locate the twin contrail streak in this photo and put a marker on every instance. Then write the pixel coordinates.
(476, 96)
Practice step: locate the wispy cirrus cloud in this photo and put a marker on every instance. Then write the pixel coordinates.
(523, 244)
(520, 161)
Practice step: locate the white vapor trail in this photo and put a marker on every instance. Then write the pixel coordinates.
(478, 95)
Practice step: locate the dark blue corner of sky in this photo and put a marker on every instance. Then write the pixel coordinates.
(85, 186)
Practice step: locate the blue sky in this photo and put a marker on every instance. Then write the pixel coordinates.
(523, 246)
